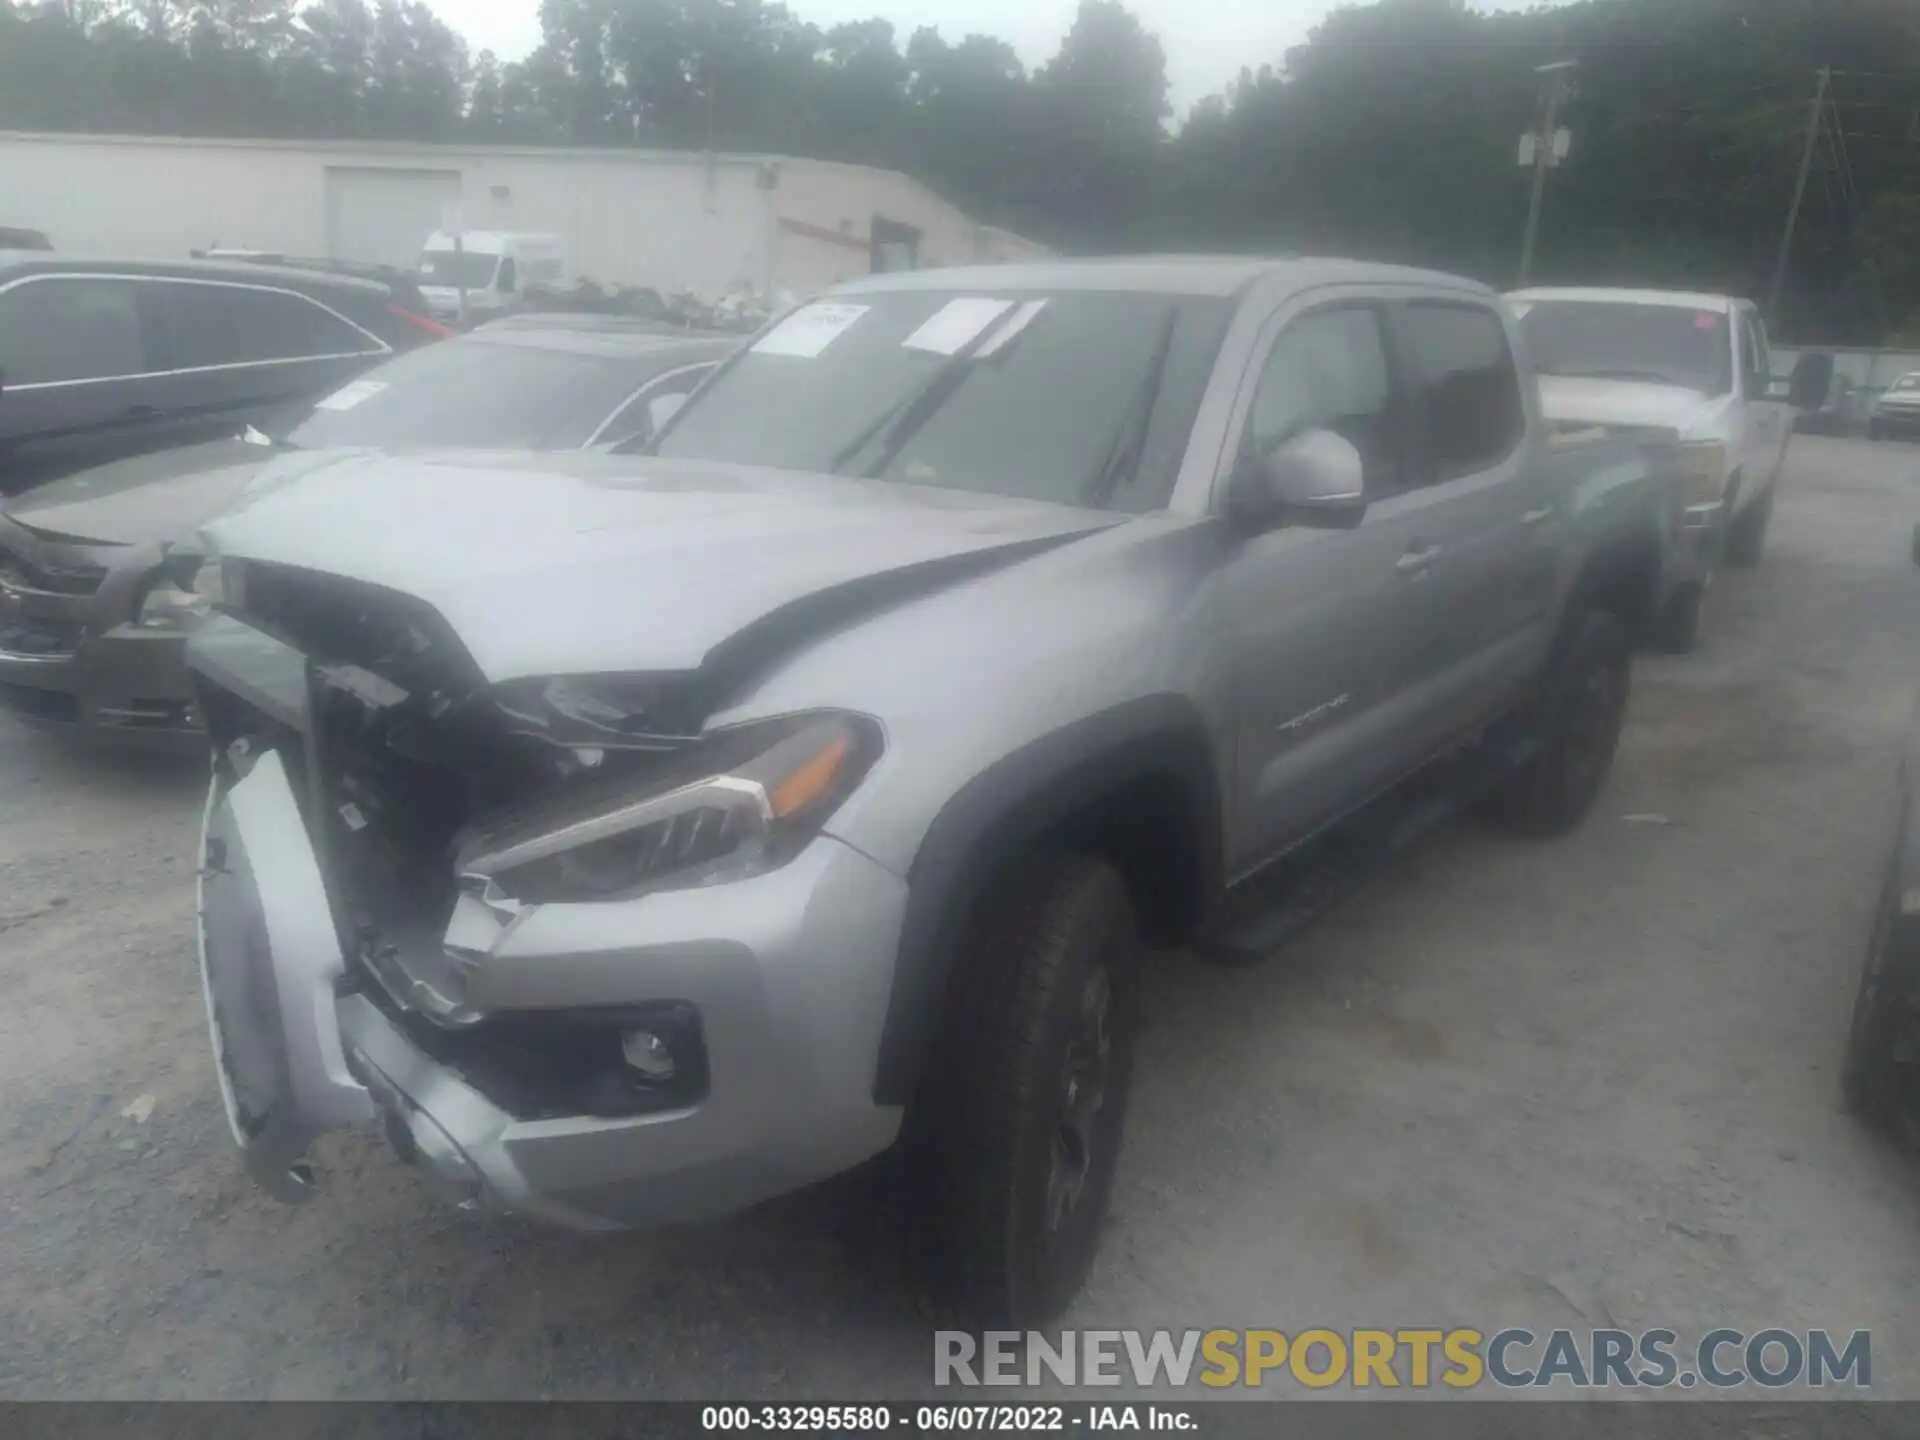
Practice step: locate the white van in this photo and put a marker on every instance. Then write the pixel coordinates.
(1694, 364)
(493, 266)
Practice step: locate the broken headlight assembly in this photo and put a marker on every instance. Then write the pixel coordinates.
(733, 804)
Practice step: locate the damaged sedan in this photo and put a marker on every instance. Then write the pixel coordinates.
(651, 833)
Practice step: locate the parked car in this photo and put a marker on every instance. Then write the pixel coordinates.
(1880, 1074)
(91, 623)
(1897, 411)
(482, 273)
(101, 359)
(402, 288)
(17, 239)
(662, 831)
(1696, 364)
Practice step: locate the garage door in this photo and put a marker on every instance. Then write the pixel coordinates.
(384, 216)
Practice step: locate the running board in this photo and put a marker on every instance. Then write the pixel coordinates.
(1272, 909)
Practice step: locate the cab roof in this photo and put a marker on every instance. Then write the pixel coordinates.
(1200, 275)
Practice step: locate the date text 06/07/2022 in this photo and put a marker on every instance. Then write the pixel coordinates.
(933, 1419)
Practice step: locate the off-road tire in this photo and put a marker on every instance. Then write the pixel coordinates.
(986, 1141)
(1747, 535)
(1574, 721)
(1876, 1084)
(1676, 627)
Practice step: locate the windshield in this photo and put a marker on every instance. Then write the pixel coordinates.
(1077, 397)
(470, 268)
(471, 393)
(1657, 344)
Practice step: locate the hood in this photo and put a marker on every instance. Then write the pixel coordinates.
(147, 499)
(583, 563)
(1623, 402)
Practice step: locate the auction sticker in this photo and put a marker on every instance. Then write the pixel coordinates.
(809, 330)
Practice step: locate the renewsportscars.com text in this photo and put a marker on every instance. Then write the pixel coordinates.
(1457, 1359)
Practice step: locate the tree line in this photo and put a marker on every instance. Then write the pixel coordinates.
(1391, 133)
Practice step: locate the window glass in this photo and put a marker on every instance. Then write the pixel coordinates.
(506, 276)
(469, 268)
(1754, 356)
(1611, 340)
(70, 329)
(1075, 397)
(232, 325)
(1471, 408)
(1328, 371)
(472, 392)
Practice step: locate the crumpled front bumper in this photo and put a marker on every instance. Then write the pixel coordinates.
(790, 973)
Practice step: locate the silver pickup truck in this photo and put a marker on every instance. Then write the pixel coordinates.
(642, 836)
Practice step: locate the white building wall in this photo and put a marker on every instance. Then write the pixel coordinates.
(660, 218)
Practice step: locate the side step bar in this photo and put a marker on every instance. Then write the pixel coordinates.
(1270, 910)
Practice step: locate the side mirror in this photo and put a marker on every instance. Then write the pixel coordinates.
(1315, 480)
(1812, 378)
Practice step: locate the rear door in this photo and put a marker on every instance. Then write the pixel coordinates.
(1482, 514)
(77, 375)
(242, 354)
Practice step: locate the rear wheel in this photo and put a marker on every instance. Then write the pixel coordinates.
(1747, 535)
(1013, 1155)
(1676, 629)
(1576, 722)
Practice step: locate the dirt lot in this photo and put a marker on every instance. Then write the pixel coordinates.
(1581, 1083)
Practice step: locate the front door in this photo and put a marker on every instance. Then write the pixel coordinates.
(1318, 618)
(1769, 420)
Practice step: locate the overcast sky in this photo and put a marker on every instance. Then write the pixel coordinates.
(1207, 41)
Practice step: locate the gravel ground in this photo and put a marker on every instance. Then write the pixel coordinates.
(1577, 1083)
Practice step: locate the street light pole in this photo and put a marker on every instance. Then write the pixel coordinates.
(1558, 90)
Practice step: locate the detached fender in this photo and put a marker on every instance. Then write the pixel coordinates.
(1038, 790)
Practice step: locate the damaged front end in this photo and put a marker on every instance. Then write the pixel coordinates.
(383, 821)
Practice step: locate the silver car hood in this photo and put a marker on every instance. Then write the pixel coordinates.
(583, 563)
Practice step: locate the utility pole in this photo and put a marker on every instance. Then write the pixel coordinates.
(1814, 119)
(1546, 152)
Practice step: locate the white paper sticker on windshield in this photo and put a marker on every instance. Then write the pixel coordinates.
(348, 396)
(808, 330)
(956, 324)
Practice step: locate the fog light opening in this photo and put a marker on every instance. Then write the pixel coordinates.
(649, 1056)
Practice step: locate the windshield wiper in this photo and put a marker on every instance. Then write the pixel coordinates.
(1130, 436)
(901, 422)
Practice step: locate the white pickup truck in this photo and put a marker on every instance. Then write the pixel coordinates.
(1695, 364)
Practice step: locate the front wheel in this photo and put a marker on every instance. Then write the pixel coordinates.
(1576, 721)
(1747, 535)
(1015, 1155)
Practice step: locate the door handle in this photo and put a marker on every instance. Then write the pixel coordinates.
(1418, 560)
(1537, 517)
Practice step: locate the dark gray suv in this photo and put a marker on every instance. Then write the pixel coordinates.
(101, 359)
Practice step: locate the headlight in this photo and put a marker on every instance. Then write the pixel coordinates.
(1703, 472)
(736, 803)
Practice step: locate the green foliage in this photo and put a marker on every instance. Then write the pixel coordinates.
(1392, 133)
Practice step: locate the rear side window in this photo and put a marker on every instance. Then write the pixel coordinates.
(1328, 371)
(234, 325)
(78, 328)
(1467, 386)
